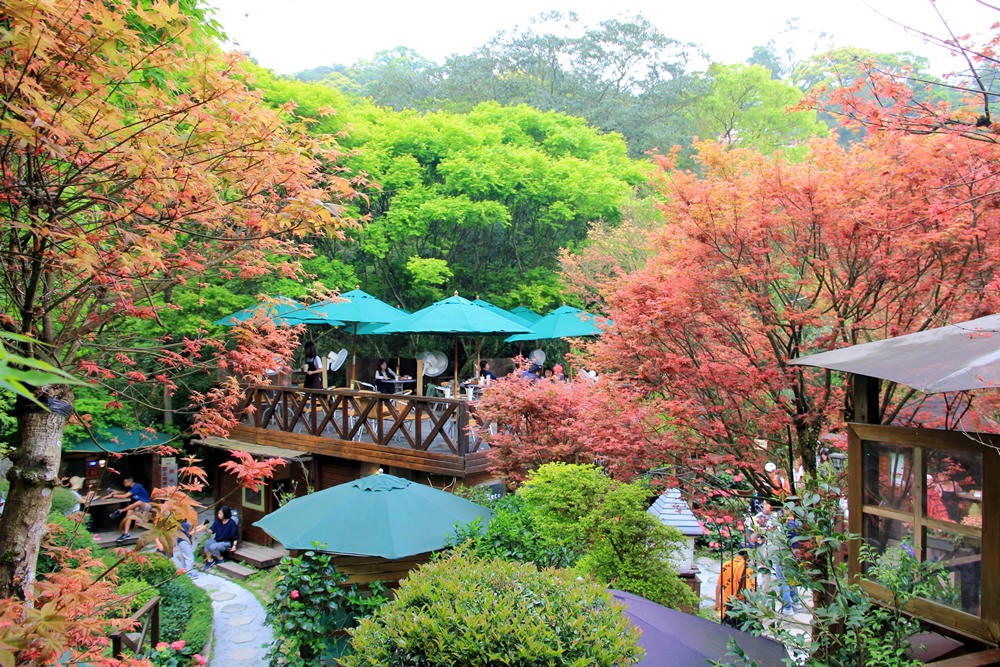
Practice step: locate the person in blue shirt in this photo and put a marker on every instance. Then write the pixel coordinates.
(224, 537)
(141, 503)
(484, 371)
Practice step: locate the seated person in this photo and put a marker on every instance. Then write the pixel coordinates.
(485, 372)
(141, 503)
(224, 537)
(531, 374)
(557, 372)
(383, 377)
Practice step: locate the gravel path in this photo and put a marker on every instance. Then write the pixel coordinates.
(240, 636)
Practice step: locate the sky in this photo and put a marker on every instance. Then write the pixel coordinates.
(294, 35)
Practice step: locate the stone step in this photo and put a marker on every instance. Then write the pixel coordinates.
(234, 570)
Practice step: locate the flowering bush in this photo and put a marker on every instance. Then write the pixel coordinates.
(311, 611)
(176, 654)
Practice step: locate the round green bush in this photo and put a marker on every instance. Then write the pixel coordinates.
(475, 612)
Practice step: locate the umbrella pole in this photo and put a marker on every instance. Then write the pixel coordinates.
(399, 343)
(479, 351)
(455, 390)
(354, 355)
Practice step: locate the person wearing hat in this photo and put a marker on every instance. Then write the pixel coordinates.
(779, 485)
(75, 486)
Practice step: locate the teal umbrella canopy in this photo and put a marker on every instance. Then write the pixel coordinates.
(482, 303)
(454, 315)
(564, 322)
(358, 307)
(119, 440)
(282, 310)
(379, 515)
(526, 314)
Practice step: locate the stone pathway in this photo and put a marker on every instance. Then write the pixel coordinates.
(239, 634)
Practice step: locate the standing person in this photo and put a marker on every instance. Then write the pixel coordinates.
(141, 503)
(778, 483)
(224, 537)
(383, 378)
(313, 368)
(947, 491)
(735, 578)
(183, 556)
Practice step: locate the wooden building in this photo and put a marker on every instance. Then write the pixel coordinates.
(331, 436)
(934, 491)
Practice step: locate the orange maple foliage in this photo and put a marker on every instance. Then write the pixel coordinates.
(134, 157)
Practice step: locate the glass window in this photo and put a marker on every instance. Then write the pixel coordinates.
(962, 558)
(954, 486)
(882, 534)
(888, 475)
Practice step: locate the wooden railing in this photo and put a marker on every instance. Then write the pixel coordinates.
(144, 637)
(394, 420)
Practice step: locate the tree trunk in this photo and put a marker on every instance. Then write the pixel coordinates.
(33, 475)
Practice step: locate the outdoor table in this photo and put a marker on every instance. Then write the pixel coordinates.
(399, 382)
(99, 508)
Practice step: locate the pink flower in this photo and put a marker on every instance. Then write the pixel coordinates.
(737, 478)
(714, 545)
(161, 646)
(199, 659)
(178, 645)
(295, 595)
(728, 519)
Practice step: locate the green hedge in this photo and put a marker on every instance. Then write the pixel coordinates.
(185, 609)
(479, 613)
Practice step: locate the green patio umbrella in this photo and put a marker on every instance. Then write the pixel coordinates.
(564, 322)
(282, 310)
(455, 316)
(379, 515)
(526, 314)
(482, 303)
(358, 307)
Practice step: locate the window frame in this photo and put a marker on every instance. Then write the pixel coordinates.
(987, 625)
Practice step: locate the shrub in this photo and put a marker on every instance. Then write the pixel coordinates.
(464, 610)
(63, 501)
(175, 654)
(181, 601)
(512, 535)
(310, 610)
(182, 604)
(64, 531)
(135, 593)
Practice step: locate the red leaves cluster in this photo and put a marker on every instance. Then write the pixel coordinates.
(69, 611)
(583, 421)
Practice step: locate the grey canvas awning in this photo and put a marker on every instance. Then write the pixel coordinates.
(957, 357)
(255, 450)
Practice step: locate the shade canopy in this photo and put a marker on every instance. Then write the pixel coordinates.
(482, 303)
(454, 315)
(957, 357)
(564, 322)
(118, 440)
(282, 310)
(379, 515)
(526, 314)
(675, 639)
(358, 307)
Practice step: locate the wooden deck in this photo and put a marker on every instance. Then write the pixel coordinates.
(433, 435)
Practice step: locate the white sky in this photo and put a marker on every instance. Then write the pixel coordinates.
(293, 35)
